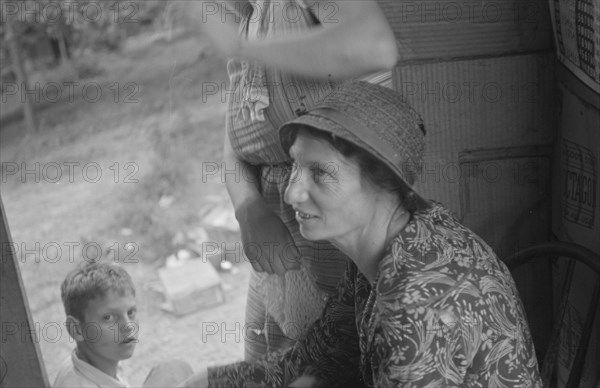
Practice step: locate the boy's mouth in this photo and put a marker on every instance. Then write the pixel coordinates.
(130, 340)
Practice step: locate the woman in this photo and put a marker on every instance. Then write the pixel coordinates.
(288, 54)
(433, 305)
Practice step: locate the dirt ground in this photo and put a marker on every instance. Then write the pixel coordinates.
(129, 167)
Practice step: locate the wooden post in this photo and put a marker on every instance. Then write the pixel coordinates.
(21, 363)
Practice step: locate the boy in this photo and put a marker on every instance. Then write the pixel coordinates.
(100, 304)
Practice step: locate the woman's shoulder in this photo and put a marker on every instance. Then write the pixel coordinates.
(434, 236)
(429, 238)
(430, 257)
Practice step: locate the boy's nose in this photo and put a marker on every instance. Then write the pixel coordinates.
(129, 326)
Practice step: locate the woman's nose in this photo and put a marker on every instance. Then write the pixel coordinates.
(295, 191)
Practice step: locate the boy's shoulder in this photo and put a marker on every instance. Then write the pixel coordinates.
(68, 376)
(75, 373)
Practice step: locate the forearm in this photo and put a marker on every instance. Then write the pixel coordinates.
(242, 182)
(246, 374)
(328, 352)
(353, 40)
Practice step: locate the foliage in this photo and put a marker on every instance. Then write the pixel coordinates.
(83, 24)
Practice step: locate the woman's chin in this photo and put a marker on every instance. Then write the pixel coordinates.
(309, 235)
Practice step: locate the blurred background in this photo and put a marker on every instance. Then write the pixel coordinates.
(112, 120)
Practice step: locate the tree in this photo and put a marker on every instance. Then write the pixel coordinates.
(17, 65)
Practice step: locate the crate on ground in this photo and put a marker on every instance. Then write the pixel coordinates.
(192, 285)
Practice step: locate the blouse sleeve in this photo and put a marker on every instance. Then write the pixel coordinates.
(329, 350)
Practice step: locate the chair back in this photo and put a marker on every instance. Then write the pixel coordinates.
(574, 254)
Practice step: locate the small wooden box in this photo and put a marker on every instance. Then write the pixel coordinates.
(191, 286)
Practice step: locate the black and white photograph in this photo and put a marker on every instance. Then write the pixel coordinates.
(300, 193)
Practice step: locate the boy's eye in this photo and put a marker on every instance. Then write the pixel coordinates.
(132, 313)
(107, 318)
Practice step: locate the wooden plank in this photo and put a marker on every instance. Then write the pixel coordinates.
(488, 103)
(444, 29)
(21, 363)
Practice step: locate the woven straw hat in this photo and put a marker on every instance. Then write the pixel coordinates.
(374, 118)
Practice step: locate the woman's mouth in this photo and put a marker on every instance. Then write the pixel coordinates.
(301, 216)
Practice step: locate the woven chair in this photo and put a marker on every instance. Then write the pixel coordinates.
(574, 254)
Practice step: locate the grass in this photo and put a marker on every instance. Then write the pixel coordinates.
(147, 150)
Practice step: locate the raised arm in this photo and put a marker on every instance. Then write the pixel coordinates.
(241, 186)
(272, 246)
(353, 39)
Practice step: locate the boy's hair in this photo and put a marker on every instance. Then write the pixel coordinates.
(91, 280)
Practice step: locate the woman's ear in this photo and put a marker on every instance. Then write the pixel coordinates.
(74, 328)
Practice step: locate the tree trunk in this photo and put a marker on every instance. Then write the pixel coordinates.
(65, 60)
(22, 79)
(62, 46)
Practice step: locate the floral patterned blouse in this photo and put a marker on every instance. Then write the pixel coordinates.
(443, 312)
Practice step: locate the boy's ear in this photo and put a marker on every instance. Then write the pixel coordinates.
(74, 328)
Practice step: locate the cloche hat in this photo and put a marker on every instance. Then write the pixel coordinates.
(374, 118)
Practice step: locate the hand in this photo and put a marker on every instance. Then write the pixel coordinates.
(217, 24)
(168, 374)
(211, 19)
(305, 381)
(199, 380)
(267, 242)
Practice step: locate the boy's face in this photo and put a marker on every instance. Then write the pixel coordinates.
(110, 328)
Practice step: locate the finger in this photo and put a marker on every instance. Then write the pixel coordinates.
(277, 265)
(282, 255)
(291, 257)
(253, 256)
(304, 381)
(256, 264)
(287, 259)
(266, 261)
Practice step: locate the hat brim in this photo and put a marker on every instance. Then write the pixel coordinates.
(326, 124)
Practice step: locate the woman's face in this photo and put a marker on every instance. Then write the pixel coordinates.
(331, 199)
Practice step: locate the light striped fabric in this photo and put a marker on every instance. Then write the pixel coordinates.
(253, 136)
(260, 101)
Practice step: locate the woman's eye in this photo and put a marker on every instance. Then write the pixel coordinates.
(294, 174)
(107, 318)
(132, 313)
(318, 173)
